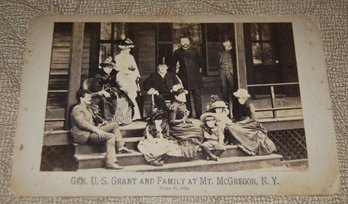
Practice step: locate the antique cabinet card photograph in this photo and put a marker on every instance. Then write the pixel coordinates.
(174, 105)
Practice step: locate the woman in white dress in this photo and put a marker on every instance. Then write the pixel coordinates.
(128, 74)
(158, 144)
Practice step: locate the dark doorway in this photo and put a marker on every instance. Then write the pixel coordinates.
(270, 56)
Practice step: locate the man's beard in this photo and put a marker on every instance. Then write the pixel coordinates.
(186, 46)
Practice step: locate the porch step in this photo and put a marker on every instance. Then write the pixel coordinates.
(224, 164)
(282, 123)
(134, 129)
(131, 143)
(62, 137)
(95, 160)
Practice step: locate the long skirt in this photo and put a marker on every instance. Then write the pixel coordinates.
(189, 137)
(154, 149)
(127, 83)
(123, 112)
(252, 136)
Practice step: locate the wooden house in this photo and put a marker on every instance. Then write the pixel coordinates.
(265, 64)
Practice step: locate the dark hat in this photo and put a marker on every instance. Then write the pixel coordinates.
(127, 43)
(107, 62)
(162, 60)
(225, 38)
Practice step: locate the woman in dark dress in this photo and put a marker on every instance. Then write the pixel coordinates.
(115, 105)
(187, 132)
(247, 131)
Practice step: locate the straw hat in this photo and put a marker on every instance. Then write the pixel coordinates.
(241, 93)
(180, 95)
(218, 104)
(208, 114)
(127, 43)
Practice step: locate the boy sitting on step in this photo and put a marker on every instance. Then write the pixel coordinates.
(213, 135)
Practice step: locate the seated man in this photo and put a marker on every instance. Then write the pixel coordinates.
(161, 84)
(84, 130)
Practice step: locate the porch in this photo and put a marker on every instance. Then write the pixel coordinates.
(78, 47)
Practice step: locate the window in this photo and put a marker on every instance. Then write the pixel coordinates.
(164, 42)
(168, 38)
(192, 30)
(262, 43)
(110, 36)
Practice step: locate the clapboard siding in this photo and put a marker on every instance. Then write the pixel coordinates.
(67, 43)
(59, 74)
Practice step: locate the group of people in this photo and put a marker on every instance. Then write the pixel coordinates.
(173, 133)
(108, 100)
(114, 87)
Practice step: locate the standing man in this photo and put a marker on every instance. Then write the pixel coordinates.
(84, 130)
(226, 70)
(188, 63)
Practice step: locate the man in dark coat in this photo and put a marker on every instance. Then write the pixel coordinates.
(226, 70)
(161, 84)
(188, 63)
(105, 79)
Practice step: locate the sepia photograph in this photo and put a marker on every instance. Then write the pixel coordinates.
(173, 97)
(183, 106)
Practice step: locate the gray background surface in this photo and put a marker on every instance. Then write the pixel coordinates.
(14, 23)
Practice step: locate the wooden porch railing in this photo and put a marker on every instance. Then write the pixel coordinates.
(273, 97)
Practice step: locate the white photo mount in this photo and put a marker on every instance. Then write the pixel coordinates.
(321, 177)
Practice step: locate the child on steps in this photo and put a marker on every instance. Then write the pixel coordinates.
(213, 135)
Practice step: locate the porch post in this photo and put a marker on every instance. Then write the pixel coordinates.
(240, 55)
(75, 66)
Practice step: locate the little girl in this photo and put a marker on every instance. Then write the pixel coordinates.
(213, 135)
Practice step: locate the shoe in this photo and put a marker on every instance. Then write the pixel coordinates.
(125, 150)
(164, 158)
(213, 157)
(209, 154)
(114, 166)
(157, 163)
